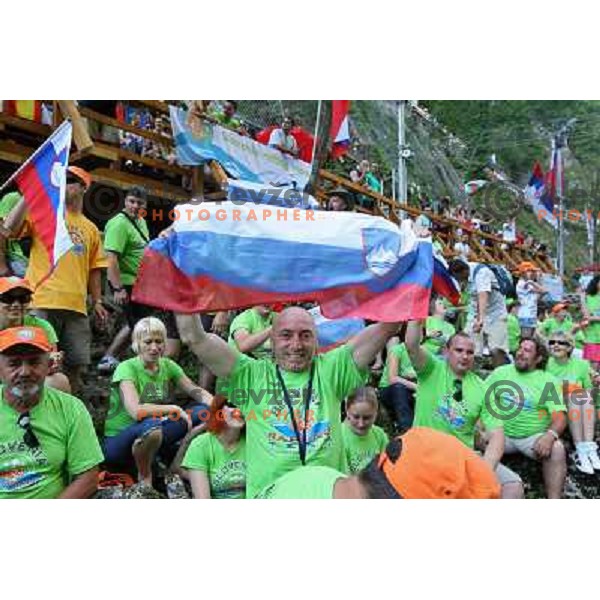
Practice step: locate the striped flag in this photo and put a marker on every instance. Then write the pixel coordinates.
(221, 257)
(339, 132)
(42, 182)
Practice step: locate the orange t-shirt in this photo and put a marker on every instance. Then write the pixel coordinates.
(67, 287)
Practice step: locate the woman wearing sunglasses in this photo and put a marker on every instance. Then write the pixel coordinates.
(576, 375)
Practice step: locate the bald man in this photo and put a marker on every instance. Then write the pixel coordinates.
(291, 404)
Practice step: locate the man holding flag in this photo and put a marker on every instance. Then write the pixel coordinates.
(66, 251)
(291, 404)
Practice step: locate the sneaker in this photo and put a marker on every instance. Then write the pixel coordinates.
(583, 462)
(593, 456)
(107, 364)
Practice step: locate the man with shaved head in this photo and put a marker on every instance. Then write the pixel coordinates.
(292, 403)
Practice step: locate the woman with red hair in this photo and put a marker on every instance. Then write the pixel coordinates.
(215, 462)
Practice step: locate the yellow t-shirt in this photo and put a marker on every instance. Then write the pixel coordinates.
(67, 287)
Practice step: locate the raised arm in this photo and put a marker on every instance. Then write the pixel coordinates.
(418, 357)
(370, 341)
(214, 352)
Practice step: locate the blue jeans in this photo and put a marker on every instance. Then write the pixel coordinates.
(400, 404)
(117, 448)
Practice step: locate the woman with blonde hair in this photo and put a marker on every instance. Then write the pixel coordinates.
(143, 419)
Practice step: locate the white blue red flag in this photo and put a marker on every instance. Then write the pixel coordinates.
(42, 182)
(223, 256)
(339, 132)
(542, 201)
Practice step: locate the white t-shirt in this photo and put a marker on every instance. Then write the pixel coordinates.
(462, 249)
(528, 300)
(278, 138)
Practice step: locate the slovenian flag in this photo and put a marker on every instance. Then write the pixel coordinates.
(223, 256)
(339, 132)
(42, 182)
(334, 332)
(443, 283)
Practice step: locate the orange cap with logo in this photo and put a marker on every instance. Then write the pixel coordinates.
(82, 175)
(24, 336)
(12, 283)
(432, 464)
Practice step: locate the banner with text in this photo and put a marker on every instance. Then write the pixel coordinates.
(243, 158)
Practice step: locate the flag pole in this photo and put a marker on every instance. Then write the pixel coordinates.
(37, 151)
(318, 121)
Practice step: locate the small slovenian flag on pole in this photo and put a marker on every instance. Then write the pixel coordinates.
(340, 130)
(42, 182)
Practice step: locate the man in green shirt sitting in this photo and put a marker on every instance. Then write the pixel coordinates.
(449, 399)
(529, 402)
(48, 447)
(291, 404)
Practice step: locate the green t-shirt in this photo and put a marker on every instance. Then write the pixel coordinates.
(405, 368)
(226, 470)
(223, 119)
(68, 447)
(436, 406)
(360, 449)
(13, 247)
(551, 325)
(541, 395)
(592, 331)
(252, 322)
(435, 345)
(514, 332)
(33, 321)
(579, 339)
(152, 388)
(272, 446)
(304, 483)
(122, 238)
(575, 370)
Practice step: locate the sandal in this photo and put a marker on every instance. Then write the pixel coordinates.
(107, 364)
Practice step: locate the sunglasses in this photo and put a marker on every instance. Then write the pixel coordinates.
(458, 391)
(559, 343)
(20, 298)
(29, 437)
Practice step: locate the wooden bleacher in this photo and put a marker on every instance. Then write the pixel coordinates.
(107, 162)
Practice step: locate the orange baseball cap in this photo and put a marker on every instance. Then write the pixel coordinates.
(24, 336)
(527, 266)
(432, 464)
(82, 175)
(12, 283)
(558, 307)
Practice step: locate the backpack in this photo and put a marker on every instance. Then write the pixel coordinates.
(503, 277)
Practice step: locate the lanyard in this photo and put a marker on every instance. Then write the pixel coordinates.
(288, 402)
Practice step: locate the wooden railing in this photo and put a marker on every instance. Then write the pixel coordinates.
(105, 160)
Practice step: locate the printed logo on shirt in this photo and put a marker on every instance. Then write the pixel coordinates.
(78, 241)
(230, 480)
(20, 466)
(451, 412)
